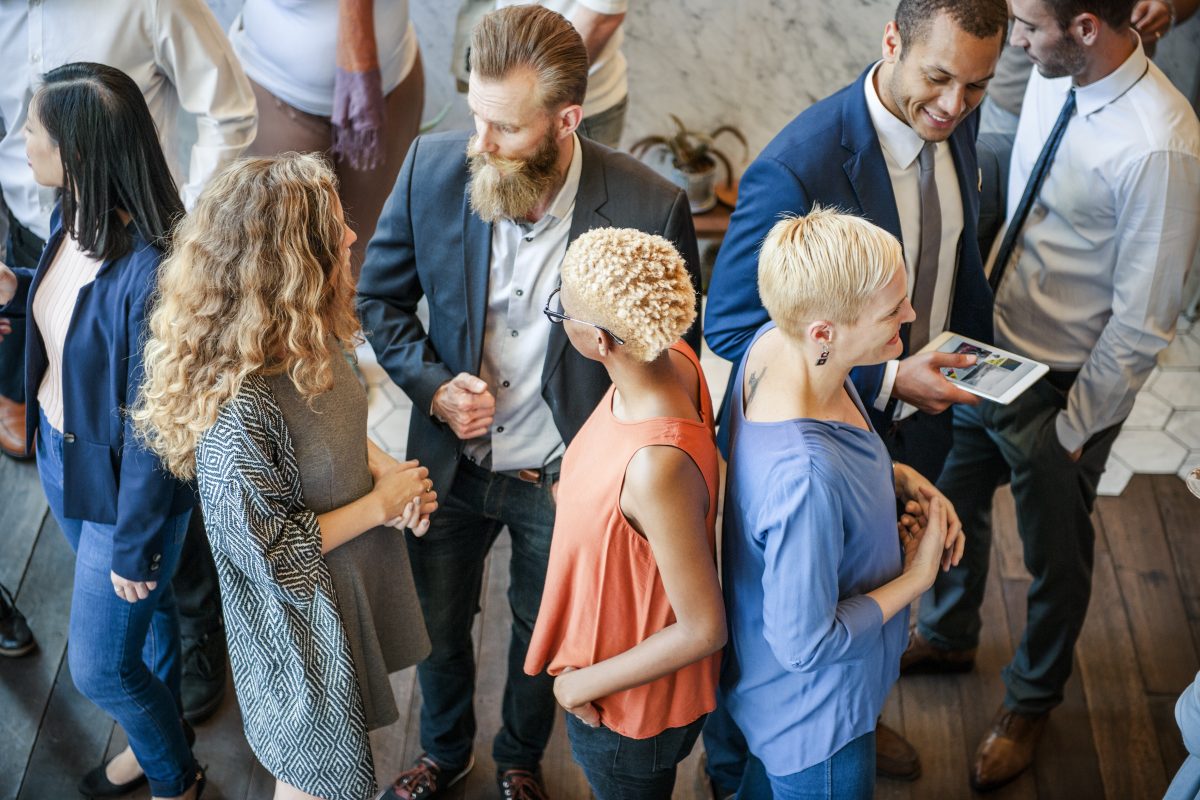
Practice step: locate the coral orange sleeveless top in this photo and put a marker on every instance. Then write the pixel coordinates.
(603, 593)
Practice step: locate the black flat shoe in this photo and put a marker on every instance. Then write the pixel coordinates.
(95, 784)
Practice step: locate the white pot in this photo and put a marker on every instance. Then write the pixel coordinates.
(700, 187)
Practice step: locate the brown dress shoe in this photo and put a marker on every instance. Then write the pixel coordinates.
(922, 657)
(894, 756)
(12, 428)
(1007, 750)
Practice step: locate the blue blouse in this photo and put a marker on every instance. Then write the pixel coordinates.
(810, 526)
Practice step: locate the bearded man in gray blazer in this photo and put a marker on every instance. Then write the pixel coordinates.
(478, 225)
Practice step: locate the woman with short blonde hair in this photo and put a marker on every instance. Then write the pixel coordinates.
(248, 389)
(817, 586)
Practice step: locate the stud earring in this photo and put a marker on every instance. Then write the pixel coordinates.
(824, 356)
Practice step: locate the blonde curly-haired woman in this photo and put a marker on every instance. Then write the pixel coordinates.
(248, 390)
(631, 617)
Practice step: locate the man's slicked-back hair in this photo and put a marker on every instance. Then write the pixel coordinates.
(536, 38)
(980, 18)
(1114, 13)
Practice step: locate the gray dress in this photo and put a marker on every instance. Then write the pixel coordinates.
(311, 638)
(371, 574)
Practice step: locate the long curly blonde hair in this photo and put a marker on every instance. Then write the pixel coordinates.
(257, 282)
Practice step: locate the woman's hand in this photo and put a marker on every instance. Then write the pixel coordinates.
(131, 591)
(5, 327)
(912, 486)
(585, 712)
(8, 285)
(938, 546)
(380, 461)
(403, 491)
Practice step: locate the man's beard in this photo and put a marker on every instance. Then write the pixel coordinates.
(511, 188)
(1066, 58)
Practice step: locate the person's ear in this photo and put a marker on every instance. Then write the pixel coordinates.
(892, 45)
(567, 120)
(1086, 29)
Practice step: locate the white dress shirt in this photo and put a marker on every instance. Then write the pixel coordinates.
(525, 263)
(1096, 281)
(175, 52)
(901, 146)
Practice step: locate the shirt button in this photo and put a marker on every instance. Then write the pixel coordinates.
(529, 238)
(500, 429)
(520, 292)
(69, 438)
(514, 334)
(505, 384)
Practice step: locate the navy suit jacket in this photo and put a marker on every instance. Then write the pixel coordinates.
(430, 243)
(830, 154)
(109, 477)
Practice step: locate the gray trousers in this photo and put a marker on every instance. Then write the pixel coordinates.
(1054, 498)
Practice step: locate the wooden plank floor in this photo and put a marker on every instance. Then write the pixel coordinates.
(1114, 737)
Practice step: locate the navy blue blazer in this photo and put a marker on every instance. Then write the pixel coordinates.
(429, 243)
(830, 154)
(109, 477)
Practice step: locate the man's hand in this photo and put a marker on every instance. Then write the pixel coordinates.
(919, 381)
(465, 404)
(1152, 19)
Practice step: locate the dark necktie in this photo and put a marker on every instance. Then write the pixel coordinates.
(927, 255)
(1040, 169)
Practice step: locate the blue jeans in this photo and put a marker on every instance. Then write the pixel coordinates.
(123, 656)
(848, 774)
(447, 565)
(620, 768)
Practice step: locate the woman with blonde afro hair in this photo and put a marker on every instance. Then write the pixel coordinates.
(248, 389)
(632, 619)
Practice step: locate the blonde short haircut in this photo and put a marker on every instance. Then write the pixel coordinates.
(532, 37)
(823, 266)
(635, 284)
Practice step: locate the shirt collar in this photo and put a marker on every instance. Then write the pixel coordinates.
(1095, 96)
(563, 204)
(896, 138)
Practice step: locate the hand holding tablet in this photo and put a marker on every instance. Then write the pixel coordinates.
(996, 375)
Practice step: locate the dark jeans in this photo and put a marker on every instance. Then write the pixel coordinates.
(848, 774)
(447, 564)
(1054, 497)
(195, 584)
(23, 248)
(620, 768)
(725, 749)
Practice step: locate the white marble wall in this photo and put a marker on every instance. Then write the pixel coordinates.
(752, 63)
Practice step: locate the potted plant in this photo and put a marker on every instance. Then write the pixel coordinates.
(694, 157)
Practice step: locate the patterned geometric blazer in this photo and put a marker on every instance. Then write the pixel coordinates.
(292, 666)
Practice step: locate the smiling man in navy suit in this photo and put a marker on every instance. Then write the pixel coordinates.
(897, 146)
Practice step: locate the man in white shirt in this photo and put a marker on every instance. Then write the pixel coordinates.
(601, 24)
(179, 57)
(1103, 222)
(478, 226)
(176, 53)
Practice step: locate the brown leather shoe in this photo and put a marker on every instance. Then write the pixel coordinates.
(922, 657)
(12, 428)
(1007, 750)
(894, 756)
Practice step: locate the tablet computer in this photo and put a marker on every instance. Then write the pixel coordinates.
(996, 375)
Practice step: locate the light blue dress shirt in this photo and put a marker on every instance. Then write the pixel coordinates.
(810, 527)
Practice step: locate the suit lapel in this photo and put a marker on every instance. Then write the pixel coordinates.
(477, 263)
(865, 168)
(591, 197)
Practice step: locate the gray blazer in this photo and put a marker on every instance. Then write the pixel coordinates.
(429, 243)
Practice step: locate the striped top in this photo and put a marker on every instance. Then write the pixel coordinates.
(53, 308)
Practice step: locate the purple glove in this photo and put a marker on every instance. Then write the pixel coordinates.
(358, 118)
